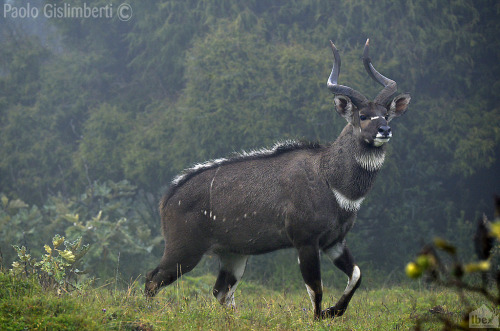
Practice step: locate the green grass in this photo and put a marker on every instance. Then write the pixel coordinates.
(189, 305)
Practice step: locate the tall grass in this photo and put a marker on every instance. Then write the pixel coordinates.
(189, 305)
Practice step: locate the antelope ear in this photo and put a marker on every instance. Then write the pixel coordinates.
(344, 107)
(398, 106)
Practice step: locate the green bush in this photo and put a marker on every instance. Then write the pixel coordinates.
(118, 222)
(57, 269)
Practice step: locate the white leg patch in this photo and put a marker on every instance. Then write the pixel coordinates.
(312, 295)
(353, 280)
(229, 300)
(236, 265)
(335, 251)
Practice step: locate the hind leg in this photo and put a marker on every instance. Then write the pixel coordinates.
(173, 264)
(232, 267)
(311, 273)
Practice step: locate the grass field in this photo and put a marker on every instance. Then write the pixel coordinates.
(189, 305)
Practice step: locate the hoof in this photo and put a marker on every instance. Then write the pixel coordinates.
(332, 312)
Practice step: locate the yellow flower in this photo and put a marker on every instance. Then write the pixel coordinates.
(424, 261)
(495, 229)
(67, 255)
(444, 245)
(413, 270)
(475, 267)
(57, 241)
(464, 324)
(48, 249)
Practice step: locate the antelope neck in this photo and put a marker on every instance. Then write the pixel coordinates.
(370, 161)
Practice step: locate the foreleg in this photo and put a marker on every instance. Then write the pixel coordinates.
(343, 260)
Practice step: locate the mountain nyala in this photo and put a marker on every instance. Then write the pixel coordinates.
(294, 195)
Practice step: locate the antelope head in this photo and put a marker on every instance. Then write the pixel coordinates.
(369, 118)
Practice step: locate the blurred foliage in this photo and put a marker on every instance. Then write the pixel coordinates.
(448, 270)
(87, 101)
(113, 218)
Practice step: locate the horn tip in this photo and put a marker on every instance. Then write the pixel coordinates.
(366, 50)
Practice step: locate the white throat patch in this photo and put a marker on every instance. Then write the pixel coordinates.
(346, 203)
(370, 162)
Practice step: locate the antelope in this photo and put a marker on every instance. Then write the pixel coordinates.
(295, 195)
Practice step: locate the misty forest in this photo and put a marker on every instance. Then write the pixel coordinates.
(97, 116)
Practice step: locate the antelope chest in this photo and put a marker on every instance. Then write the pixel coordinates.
(350, 205)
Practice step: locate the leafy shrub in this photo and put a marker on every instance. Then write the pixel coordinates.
(114, 218)
(57, 269)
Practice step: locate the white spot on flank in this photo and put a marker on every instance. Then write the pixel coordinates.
(346, 203)
(371, 162)
(179, 202)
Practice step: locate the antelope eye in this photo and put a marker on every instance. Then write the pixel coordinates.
(362, 117)
(386, 117)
